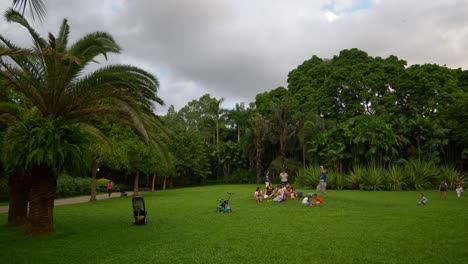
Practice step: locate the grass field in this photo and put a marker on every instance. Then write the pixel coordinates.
(351, 227)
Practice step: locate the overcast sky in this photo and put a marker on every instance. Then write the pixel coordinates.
(236, 49)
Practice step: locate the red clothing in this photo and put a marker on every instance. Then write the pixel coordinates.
(318, 199)
(109, 186)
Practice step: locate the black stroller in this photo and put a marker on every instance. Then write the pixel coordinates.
(139, 210)
(224, 206)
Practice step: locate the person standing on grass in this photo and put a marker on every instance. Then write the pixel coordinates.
(284, 177)
(267, 178)
(322, 186)
(443, 190)
(109, 188)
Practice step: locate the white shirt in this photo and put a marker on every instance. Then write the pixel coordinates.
(284, 177)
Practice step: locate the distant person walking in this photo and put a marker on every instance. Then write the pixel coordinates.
(284, 177)
(109, 188)
(322, 186)
(443, 190)
(267, 178)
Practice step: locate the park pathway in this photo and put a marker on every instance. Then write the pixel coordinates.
(74, 200)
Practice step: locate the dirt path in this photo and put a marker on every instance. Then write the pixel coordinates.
(74, 200)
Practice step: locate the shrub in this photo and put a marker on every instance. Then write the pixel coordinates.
(394, 178)
(242, 176)
(101, 185)
(419, 174)
(69, 186)
(308, 177)
(336, 180)
(373, 179)
(356, 177)
(451, 175)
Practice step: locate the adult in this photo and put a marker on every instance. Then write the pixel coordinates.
(322, 186)
(109, 188)
(443, 190)
(284, 177)
(267, 178)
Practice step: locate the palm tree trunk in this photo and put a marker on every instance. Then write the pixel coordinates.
(283, 142)
(19, 187)
(135, 183)
(94, 170)
(153, 182)
(259, 166)
(41, 209)
(217, 132)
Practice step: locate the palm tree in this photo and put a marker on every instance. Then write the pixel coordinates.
(18, 180)
(259, 128)
(284, 126)
(68, 101)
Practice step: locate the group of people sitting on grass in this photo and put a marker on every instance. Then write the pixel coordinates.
(282, 192)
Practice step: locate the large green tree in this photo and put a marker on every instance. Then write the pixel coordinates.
(52, 76)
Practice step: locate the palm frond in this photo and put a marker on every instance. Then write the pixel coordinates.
(13, 16)
(37, 8)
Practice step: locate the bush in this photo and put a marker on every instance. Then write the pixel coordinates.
(356, 177)
(308, 177)
(451, 175)
(242, 176)
(420, 174)
(69, 186)
(336, 180)
(394, 178)
(101, 185)
(374, 178)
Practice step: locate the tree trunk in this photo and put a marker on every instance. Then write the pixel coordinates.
(283, 142)
(135, 183)
(19, 187)
(164, 183)
(41, 208)
(153, 183)
(94, 171)
(259, 167)
(217, 132)
(171, 182)
(238, 135)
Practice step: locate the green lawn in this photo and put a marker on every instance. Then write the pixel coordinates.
(351, 227)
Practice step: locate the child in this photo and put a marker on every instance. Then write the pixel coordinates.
(258, 195)
(270, 191)
(280, 194)
(459, 191)
(317, 201)
(292, 193)
(307, 200)
(423, 200)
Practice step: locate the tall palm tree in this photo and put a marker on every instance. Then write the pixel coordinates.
(259, 128)
(283, 127)
(51, 75)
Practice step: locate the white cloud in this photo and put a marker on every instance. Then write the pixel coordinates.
(237, 49)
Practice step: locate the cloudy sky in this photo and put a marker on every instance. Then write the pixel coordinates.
(238, 48)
